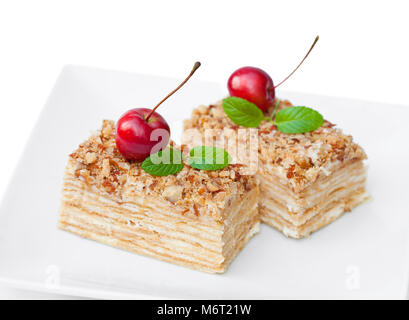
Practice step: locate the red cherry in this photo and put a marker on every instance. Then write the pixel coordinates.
(255, 85)
(252, 84)
(136, 136)
(138, 131)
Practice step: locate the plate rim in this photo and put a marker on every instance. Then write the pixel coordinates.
(101, 293)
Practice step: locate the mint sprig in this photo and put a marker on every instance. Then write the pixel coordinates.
(243, 112)
(170, 161)
(209, 158)
(288, 120)
(298, 120)
(163, 163)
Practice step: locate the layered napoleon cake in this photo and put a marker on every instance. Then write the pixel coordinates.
(306, 180)
(198, 219)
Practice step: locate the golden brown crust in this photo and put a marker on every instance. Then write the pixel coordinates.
(299, 158)
(98, 162)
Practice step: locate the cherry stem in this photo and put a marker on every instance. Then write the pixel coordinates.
(315, 41)
(275, 109)
(195, 67)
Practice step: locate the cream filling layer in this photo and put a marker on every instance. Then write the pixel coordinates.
(158, 229)
(316, 223)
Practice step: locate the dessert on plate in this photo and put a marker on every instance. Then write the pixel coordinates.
(195, 218)
(307, 180)
(126, 187)
(246, 159)
(310, 173)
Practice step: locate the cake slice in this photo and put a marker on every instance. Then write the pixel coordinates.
(306, 180)
(198, 219)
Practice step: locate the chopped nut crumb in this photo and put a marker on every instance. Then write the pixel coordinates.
(199, 192)
(106, 169)
(90, 157)
(307, 154)
(212, 186)
(173, 193)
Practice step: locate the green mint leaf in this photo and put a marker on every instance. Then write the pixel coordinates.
(243, 112)
(163, 163)
(209, 158)
(298, 120)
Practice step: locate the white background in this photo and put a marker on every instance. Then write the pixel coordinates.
(362, 53)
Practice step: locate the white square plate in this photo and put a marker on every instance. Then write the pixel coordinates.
(364, 254)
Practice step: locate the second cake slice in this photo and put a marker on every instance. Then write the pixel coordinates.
(306, 180)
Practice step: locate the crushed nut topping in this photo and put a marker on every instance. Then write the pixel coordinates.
(98, 162)
(298, 158)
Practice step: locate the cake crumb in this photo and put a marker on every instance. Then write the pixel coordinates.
(297, 158)
(173, 193)
(90, 157)
(196, 191)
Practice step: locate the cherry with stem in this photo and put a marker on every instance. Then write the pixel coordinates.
(255, 85)
(141, 131)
